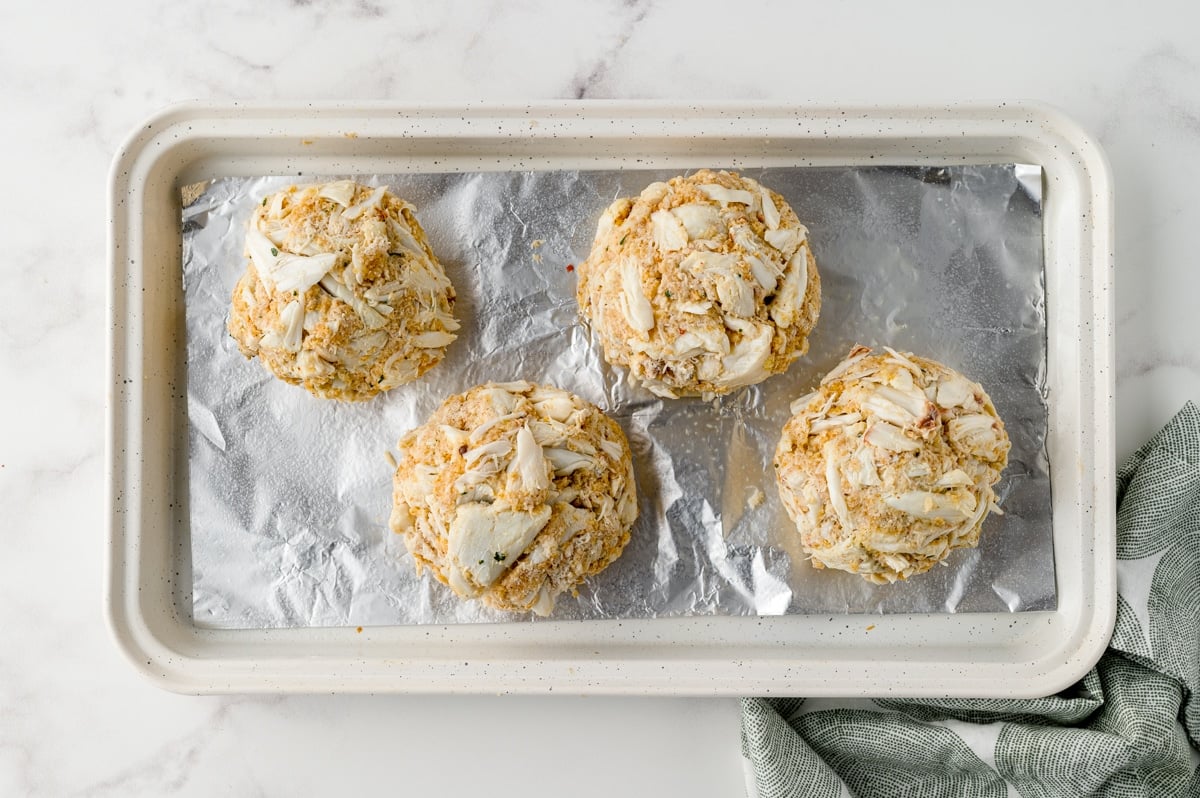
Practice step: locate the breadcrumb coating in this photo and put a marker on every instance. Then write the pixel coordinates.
(512, 493)
(890, 465)
(701, 285)
(342, 293)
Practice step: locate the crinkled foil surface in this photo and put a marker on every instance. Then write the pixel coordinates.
(289, 495)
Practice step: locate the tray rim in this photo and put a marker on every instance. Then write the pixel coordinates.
(180, 657)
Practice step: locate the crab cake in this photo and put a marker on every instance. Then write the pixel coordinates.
(512, 493)
(342, 293)
(701, 285)
(889, 465)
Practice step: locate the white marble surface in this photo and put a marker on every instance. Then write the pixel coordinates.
(76, 76)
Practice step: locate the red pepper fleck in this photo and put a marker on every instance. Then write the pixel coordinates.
(570, 267)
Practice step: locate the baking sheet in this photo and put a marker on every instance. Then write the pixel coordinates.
(289, 495)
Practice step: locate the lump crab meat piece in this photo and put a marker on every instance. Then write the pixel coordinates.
(735, 294)
(787, 239)
(956, 478)
(751, 244)
(608, 219)
(799, 404)
(284, 271)
(700, 220)
(832, 422)
(454, 436)
(340, 191)
(833, 482)
(706, 337)
(789, 300)
(495, 449)
(856, 355)
(883, 435)
(638, 311)
(502, 401)
(549, 433)
(484, 542)
(527, 472)
(310, 365)
(770, 212)
(728, 196)
(913, 368)
(888, 411)
(556, 405)
(744, 365)
(694, 308)
(765, 275)
(913, 401)
(978, 435)
(655, 192)
(669, 233)
(372, 201)
(612, 449)
(566, 461)
(292, 318)
(370, 317)
(953, 391)
(930, 506)
(867, 473)
(477, 434)
(434, 339)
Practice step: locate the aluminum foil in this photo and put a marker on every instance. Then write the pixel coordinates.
(289, 495)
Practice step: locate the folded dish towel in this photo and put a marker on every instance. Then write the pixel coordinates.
(1131, 727)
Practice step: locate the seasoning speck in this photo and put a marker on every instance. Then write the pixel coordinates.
(500, 556)
(570, 267)
(869, 628)
(359, 630)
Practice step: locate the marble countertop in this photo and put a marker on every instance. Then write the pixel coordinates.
(75, 77)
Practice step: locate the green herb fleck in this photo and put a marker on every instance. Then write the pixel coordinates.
(481, 562)
(500, 556)
(264, 202)
(274, 252)
(622, 241)
(668, 293)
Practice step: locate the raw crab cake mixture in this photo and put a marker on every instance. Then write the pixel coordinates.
(512, 493)
(701, 285)
(889, 466)
(342, 293)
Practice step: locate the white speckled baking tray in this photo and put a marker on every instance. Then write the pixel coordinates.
(980, 654)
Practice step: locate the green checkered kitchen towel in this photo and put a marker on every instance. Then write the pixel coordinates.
(1131, 727)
